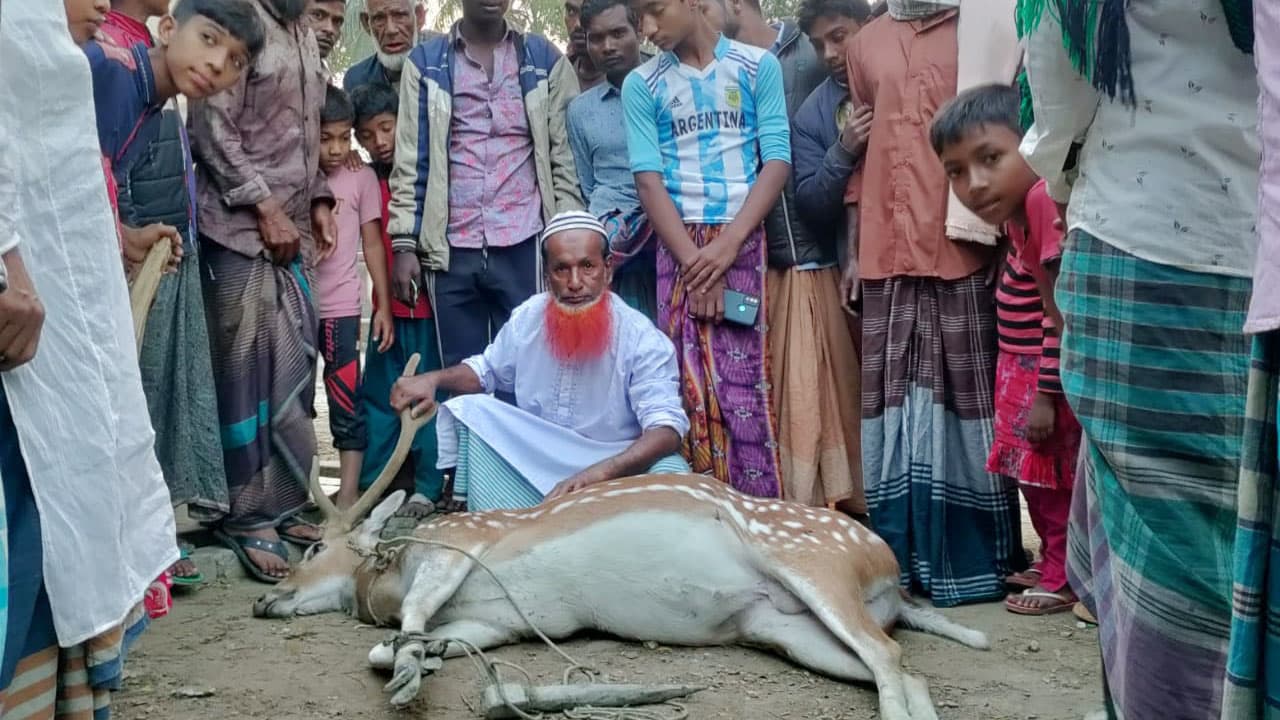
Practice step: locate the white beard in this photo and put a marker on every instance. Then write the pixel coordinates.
(393, 63)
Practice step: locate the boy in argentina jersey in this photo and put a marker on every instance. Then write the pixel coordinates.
(709, 142)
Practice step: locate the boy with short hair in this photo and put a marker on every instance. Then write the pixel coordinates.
(376, 110)
(709, 142)
(205, 46)
(1037, 438)
(338, 288)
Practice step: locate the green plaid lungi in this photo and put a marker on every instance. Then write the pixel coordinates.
(1155, 366)
(1253, 666)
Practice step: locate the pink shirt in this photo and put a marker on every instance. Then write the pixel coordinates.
(358, 200)
(493, 184)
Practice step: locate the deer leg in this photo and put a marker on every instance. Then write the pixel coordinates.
(481, 635)
(805, 641)
(438, 577)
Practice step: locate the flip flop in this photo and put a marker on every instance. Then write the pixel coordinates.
(187, 580)
(424, 507)
(299, 540)
(1082, 613)
(240, 543)
(1026, 579)
(1065, 603)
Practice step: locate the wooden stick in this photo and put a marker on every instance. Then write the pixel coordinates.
(145, 284)
(558, 698)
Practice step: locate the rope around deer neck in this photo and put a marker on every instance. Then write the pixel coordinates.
(488, 667)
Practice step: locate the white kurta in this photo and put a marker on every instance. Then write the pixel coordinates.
(569, 415)
(107, 526)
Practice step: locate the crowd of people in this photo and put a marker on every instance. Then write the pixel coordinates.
(906, 261)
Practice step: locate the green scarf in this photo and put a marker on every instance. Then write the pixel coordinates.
(1096, 38)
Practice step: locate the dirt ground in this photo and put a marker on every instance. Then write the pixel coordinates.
(315, 667)
(211, 659)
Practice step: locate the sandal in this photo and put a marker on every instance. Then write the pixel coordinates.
(1027, 579)
(417, 507)
(301, 541)
(240, 543)
(1065, 603)
(186, 580)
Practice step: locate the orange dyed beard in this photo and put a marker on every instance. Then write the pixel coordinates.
(578, 334)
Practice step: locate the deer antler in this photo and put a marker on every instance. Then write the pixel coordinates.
(409, 427)
(331, 513)
(142, 291)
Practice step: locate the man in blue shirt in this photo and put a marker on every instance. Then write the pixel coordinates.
(709, 141)
(600, 152)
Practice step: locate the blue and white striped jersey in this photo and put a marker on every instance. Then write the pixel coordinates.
(707, 131)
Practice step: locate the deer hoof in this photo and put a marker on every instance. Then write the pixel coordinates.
(382, 656)
(407, 679)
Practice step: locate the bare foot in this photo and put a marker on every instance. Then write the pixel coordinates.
(1041, 601)
(184, 568)
(299, 531)
(269, 563)
(1028, 578)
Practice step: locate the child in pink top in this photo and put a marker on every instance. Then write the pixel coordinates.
(339, 289)
(1037, 438)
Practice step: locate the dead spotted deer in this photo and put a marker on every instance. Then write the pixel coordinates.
(676, 559)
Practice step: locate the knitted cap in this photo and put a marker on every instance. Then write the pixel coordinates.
(574, 220)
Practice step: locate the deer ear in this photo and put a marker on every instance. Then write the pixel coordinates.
(383, 512)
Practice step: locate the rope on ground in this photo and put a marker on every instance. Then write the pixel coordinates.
(488, 668)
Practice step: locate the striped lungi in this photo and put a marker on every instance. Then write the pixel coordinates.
(39, 680)
(1155, 366)
(264, 332)
(1253, 664)
(928, 376)
(487, 481)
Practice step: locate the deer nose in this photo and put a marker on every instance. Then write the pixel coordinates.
(263, 606)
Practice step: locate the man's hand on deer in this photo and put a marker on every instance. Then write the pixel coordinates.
(417, 392)
(579, 481)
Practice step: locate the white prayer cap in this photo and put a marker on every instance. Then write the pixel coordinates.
(574, 220)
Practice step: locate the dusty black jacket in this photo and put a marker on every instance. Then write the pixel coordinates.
(790, 240)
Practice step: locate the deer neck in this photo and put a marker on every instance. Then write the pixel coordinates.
(382, 582)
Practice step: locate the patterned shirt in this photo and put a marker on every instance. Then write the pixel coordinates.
(1173, 181)
(261, 138)
(493, 185)
(707, 131)
(600, 151)
(633, 387)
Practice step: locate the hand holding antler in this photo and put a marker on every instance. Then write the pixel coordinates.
(416, 393)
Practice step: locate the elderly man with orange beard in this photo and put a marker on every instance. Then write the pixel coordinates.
(596, 386)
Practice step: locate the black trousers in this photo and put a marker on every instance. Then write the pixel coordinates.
(474, 299)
